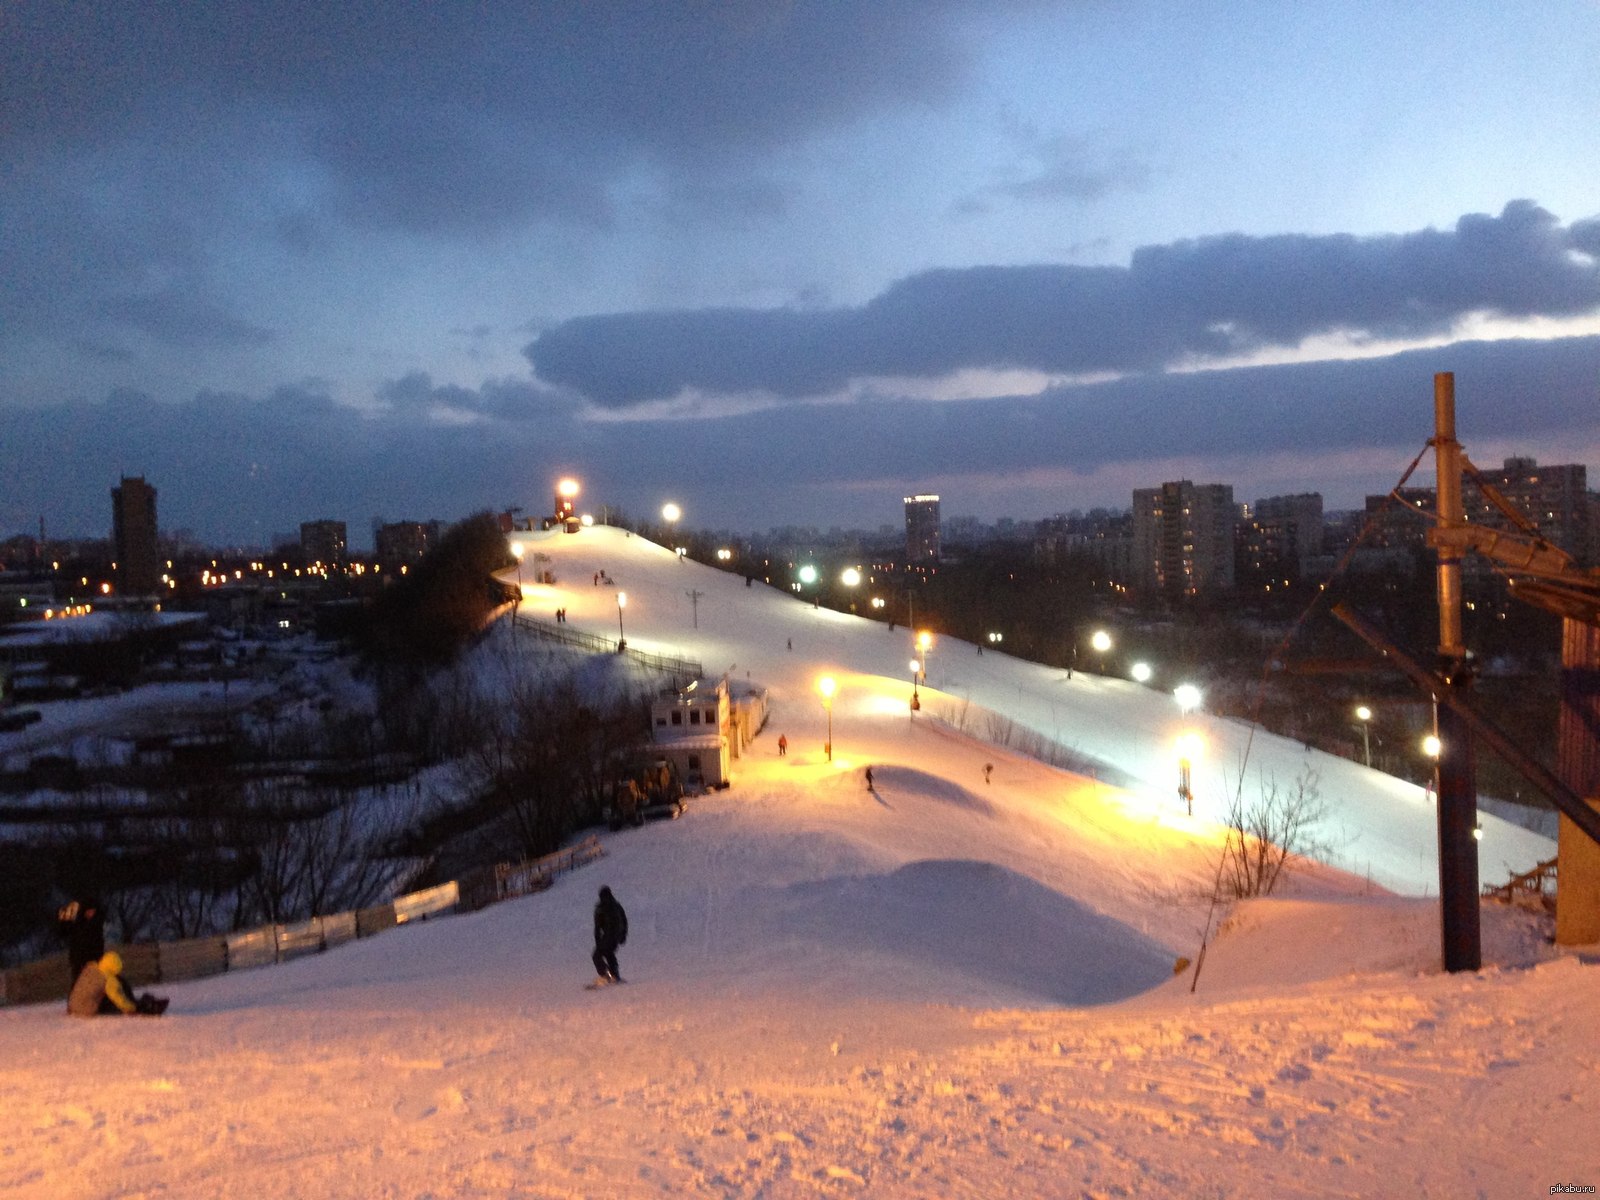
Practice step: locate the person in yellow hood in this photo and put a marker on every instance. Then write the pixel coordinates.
(100, 989)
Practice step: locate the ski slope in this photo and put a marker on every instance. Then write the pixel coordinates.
(945, 987)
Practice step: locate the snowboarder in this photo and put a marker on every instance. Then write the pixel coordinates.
(988, 769)
(869, 779)
(610, 931)
(783, 745)
(791, 643)
(82, 925)
(100, 991)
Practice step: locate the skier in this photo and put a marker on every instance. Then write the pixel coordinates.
(100, 990)
(82, 925)
(869, 779)
(783, 745)
(610, 931)
(988, 769)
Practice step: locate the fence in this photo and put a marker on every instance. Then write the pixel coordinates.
(682, 670)
(1537, 886)
(145, 963)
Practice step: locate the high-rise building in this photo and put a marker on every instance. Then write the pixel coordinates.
(399, 544)
(133, 526)
(1555, 500)
(1183, 537)
(323, 542)
(1276, 539)
(922, 530)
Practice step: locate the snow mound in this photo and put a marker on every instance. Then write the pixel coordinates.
(1273, 944)
(939, 923)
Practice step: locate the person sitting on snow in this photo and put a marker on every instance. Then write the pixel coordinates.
(100, 990)
(82, 925)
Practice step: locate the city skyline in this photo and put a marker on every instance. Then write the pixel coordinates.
(784, 265)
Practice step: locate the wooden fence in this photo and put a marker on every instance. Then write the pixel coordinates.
(1537, 886)
(145, 963)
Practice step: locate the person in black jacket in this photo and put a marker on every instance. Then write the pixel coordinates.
(610, 931)
(82, 925)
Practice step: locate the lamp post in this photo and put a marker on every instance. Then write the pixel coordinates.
(1364, 715)
(925, 644)
(827, 687)
(517, 551)
(622, 603)
(850, 577)
(1188, 748)
(916, 668)
(566, 493)
(1100, 641)
(670, 513)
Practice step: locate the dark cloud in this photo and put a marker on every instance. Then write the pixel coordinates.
(457, 117)
(501, 399)
(1189, 300)
(240, 468)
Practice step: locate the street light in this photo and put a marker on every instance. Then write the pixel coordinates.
(1189, 746)
(566, 491)
(622, 603)
(827, 687)
(1141, 672)
(517, 551)
(850, 577)
(808, 574)
(1101, 642)
(925, 644)
(916, 668)
(1187, 696)
(1432, 746)
(1364, 715)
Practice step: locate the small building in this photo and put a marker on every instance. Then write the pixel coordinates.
(690, 727)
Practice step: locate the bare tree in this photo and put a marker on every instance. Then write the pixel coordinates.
(1269, 834)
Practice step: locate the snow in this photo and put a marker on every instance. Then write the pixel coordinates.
(942, 988)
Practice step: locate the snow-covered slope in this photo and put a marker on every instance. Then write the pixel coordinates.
(942, 987)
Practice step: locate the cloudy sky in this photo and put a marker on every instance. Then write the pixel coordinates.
(782, 262)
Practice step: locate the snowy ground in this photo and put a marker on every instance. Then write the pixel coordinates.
(946, 988)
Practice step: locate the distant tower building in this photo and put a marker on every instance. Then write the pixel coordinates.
(1183, 537)
(323, 542)
(133, 525)
(922, 530)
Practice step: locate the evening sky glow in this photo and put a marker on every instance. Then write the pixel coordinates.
(785, 264)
